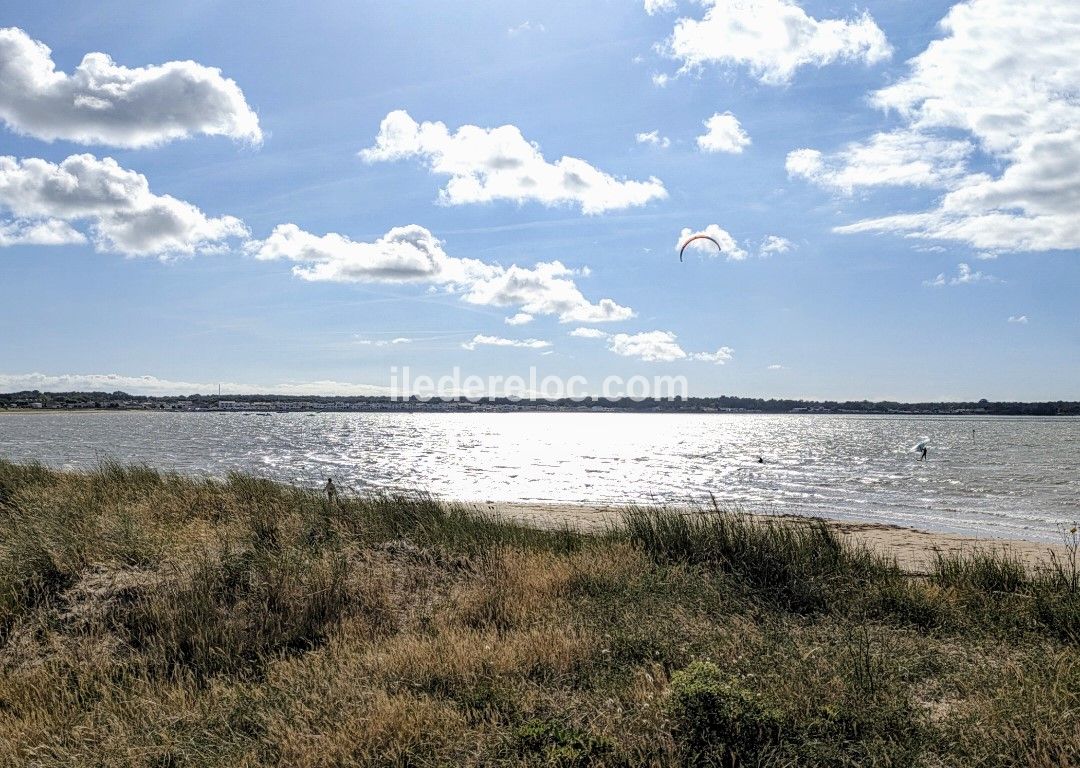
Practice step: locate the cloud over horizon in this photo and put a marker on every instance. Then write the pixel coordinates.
(152, 385)
(482, 340)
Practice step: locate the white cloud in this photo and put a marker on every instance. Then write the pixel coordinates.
(523, 27)
(776, 367)
(408, 254)
(102, 102)
(651, 346)
(1004, 76)
(660, 346)
(382, 342)
(660, 80)
(1021, 319)
(589, 333)
(774, 244)
(659, 6)
(896, 158)
(43, 232)
(521, 318)
(773, 38)
(546, 289)
(719, 357)
(723, 134)
(123, 215)
(497, 341)
(151, 385)
(965, 275)
(413, 254)
(726, 243)
(500, 164)
(654, 138)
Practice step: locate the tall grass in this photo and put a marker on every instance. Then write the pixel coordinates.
(148, 619)
(799, 565)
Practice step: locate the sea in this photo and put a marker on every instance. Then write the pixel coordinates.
(1004, 477)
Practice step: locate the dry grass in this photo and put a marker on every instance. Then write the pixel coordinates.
(153, 620)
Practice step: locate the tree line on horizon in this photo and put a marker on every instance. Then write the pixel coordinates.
(761, 405)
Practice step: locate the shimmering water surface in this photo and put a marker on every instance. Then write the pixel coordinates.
(1007, 477)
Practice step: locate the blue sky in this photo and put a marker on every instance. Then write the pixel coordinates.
(435, 235)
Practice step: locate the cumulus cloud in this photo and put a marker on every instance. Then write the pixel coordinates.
(660, 346)
(727, 245)
(774, 244)
(152, 385)
(773, 38)
(660, 80)
(46, 232)
(895, 158)
(412, 254)
(500, 164)
(723, 133)
(521, 318)
(546, 289)
(965, 275)
(654, 138)
(650, 346)
(497, 341)
(1021, 319)
(408, 254)
(589, 333)
(653, 7)
(102, 102)
(719, 357)
(122, 214)
(1002, 80)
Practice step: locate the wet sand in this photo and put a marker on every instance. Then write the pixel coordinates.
(913, 549)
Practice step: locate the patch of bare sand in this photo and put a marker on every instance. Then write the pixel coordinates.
(913, 549)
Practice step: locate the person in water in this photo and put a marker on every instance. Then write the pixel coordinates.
(922, 453)
(331, 491)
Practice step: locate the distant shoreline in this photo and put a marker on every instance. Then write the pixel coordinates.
(536, 409)
(28, 400)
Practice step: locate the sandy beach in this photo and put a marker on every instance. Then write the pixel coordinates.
(913, 549)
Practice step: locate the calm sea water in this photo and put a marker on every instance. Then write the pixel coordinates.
(1006, 477)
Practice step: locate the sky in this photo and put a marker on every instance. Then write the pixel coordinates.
(306, 198)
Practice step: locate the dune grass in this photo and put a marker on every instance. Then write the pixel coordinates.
(148, 619)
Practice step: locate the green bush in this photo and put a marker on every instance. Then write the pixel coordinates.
(718, 721)
(558, 744)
